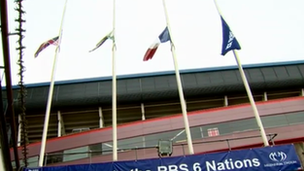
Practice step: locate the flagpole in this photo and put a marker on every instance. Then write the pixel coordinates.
(251, 99)
(179, 86)
(218, 9)
(49, 102)
(114, 90)
(248, 90)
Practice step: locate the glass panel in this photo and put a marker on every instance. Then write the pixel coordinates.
(178, 136)
(75, 154)
(295, 118)
(33, 161)
(107, 148)
(196, 133)
(96, 149)
(152, 140)
(242, 125)
(54, 158)
(274, 121)
(131, 143)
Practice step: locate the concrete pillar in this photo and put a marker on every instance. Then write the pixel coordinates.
(61, 128)
(101, 120)
(143, 117)
(226, 101)
(265, 97)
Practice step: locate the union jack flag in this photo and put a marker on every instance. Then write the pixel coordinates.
(53, 41)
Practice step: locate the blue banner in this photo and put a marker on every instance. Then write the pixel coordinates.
(283, 158)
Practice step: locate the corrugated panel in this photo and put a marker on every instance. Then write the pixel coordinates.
(133, 86)
(301, 69)
(255, 75)
(164, 87)
(231, 77)
(188, 81)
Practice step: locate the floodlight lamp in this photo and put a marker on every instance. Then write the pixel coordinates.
(165, 148)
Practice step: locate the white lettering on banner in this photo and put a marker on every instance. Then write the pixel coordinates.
(230, 41)
(227, 164)
(230, 164)
(181, 167)
(136, 169)
(197, 167)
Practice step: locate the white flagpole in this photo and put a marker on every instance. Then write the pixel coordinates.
(114, 89)
(179, 86)
(249, 93)
(251, 99)
(49, 102)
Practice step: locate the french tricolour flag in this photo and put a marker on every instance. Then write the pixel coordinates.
(162, 38)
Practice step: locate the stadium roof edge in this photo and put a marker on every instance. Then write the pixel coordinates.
(162, 73)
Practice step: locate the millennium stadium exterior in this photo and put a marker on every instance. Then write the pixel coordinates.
(148, 110)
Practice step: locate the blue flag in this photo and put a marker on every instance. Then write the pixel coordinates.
(229, 41)
(164, 36)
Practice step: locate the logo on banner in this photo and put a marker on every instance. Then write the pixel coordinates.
(230, 41)
(279, 158)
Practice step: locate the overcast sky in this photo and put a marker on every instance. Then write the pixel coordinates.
(267, 30)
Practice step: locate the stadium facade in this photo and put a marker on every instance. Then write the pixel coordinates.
(219, 112)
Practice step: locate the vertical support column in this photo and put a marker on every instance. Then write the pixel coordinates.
(19, 130)
(143, 117)
(202, 133)
(302, 92)
(265, 97)
(61, 128)
(226, 101)
(59, 124)
(101, 120)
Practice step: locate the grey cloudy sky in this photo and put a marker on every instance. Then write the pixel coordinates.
(267, 30)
